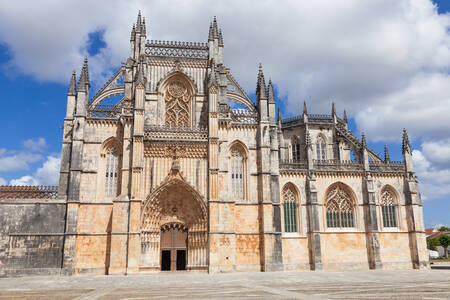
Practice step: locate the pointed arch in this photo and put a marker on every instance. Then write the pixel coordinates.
(175, 203)
(176, 99)
(291, 205)
(109, 168)
(321, 147)
(340, 206)
(238, 154)
(296, 146)
(389, 203)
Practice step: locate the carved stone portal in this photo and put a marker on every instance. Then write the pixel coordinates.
(174, 202)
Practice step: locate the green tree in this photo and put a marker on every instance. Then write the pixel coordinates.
(432, 244)
(444, 228)
(444, 240)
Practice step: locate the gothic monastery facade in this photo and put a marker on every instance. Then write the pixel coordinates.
(185, 172)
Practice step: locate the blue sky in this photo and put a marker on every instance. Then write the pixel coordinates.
(36, 64)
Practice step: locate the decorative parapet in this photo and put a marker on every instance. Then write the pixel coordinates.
(391, 166)
(167, 133)
(337, 165)
(105, 112)
(314, 118)
(244, 116)
(292, 121)
(177, 49)
(292, 164)
(28, 192)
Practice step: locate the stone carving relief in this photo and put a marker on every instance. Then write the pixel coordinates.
(178, 104)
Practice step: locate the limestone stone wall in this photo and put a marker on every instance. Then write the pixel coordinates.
(32, 236)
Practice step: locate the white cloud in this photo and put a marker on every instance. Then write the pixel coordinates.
(38, 144)
(24, 180)
(48, 174)
(434, 183)
(3, 181)
(375, 58)
(12, 161)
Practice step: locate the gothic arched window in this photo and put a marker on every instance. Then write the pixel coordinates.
(111, 171)
(295, 149)
(388, 204)
(178, 104)
(339, 208)
(290, 208)
(321, 148)
(237, 173)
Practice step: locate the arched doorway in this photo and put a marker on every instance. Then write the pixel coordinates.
(172, 213)
(173, 247)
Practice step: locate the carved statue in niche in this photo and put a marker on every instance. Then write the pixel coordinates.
(178, 104)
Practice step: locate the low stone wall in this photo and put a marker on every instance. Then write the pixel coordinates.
(31, 236)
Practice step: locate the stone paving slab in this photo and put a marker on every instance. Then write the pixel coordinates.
(403, 284)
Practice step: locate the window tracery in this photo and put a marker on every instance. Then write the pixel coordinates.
(237, 173)
(339, 208)
(295, 149)
(388, 208)
(178, 104)
(111, 171)
(290, 209)
(321, 148)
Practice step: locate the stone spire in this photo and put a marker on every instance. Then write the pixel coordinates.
(333, 109)
(72, 91)
(144, 28)
(139, 22)
(220, 38)
(406, 147)
(279, 116)
(83, 83)
(363, 141)
(270, 94)
(215, 28)
(261, 83)
(211, 33)
(386, 154)
(133, 33)
(305, 110)
(345, 117)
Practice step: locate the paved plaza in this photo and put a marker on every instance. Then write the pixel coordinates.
(410, 284)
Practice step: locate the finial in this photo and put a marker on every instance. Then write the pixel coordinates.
(406, 147)
(216, 30)
(279, 115)
(83, 83)
(305, 110)
(261, 83)
(133, 33)
(73, 85)
(386, 154)
(333, 109)
(363, 140)
(144, 28)
(220, 38)
(270, 93)
(345, 117)
(139, 22)
(211, 33)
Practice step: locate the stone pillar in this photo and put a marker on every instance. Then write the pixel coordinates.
(312, 205)
(137, 188)
(417, 239)
(371, 223)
